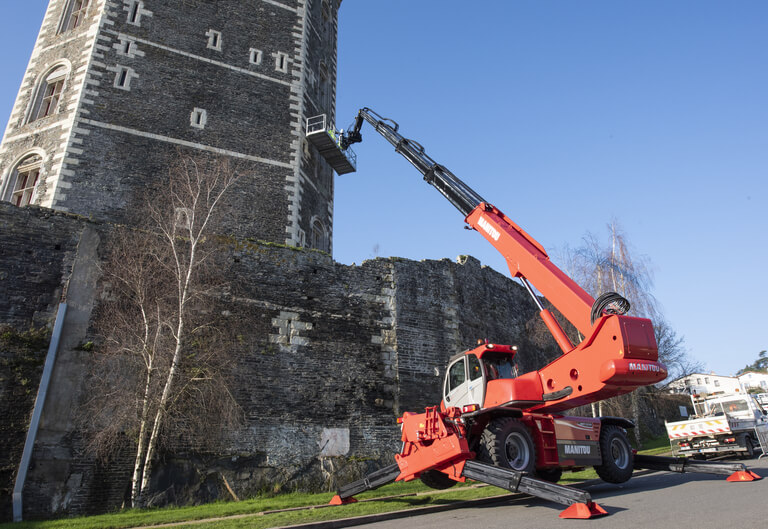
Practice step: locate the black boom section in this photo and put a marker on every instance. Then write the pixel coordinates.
(458, 193)
(683, 464)
(371, 481)
(514, 481)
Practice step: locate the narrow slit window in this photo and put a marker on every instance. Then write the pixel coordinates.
(281, 62)
(256, 56)
(134, 12)
(127, 45)
(214, 39)
(123, 77)
(198, 118)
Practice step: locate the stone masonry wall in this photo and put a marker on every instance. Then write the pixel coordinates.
(329, 356)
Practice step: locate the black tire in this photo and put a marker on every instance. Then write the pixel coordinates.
(616, 453)
(507, 443)
(750, 453)
(436, 480)
(552, 475)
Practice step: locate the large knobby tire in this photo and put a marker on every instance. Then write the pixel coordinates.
(616, 452)
(507, 443)
(436, 480)
(552, 475)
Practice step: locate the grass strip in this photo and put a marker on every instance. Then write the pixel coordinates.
(297, 508)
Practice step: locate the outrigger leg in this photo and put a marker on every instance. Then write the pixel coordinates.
(579, 502)
(734, 471)
(372, 481)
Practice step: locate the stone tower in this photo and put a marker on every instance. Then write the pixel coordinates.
(115, 88)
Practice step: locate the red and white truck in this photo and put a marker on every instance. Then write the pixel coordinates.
(722, 424)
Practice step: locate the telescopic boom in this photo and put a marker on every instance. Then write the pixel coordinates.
(618, 352)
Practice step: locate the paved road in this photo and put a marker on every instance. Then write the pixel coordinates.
(657, 500)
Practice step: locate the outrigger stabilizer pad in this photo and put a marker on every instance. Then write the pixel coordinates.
(583, 511)
(743, 475)
(338, 500)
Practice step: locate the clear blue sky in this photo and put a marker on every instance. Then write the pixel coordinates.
(564, 115)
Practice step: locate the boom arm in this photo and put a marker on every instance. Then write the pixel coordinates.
(618, 352)
(525, 257)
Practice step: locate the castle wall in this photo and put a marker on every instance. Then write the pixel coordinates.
(328, 356)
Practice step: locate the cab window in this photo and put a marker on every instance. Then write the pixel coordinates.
(456, 375)
(475, 370)
(499, 367)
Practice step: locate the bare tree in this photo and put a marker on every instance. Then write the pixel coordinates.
(159, 366)
(598, 267)
(672, 351)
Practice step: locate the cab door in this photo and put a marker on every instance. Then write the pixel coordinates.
(476, 387)
(464, 382)
(456, 384)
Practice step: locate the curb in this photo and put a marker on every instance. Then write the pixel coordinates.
(394, 515)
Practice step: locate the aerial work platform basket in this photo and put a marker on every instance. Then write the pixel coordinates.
(328, 143)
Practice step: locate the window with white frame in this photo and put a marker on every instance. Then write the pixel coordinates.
(74, 14)
(311, 77)
(48, 94)
(198, 118)
(281, 62)
(214, 39)
(325, 86)
(256, 56)
(301, 238)
(326, 9)
(318, 235)
(22, 181)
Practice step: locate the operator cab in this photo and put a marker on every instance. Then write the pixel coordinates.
(468, 373)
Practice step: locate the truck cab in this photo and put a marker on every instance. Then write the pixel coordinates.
(475, 377)
(738, 407)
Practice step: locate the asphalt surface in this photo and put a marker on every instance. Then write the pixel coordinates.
(657, 500)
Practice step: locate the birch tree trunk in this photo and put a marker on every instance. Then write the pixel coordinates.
(156, 322)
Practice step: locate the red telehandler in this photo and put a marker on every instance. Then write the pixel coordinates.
(499, 428)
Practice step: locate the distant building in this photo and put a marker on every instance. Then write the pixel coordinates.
(752, 379)
(699, 383)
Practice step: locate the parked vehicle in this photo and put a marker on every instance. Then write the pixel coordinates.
(721, 424)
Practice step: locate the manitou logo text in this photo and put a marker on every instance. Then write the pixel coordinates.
(634, 366)
(487, 228)
(580, 450)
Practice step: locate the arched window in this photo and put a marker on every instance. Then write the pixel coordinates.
(22, 181)
(74, 14)
(318, 235)
(46, 100)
